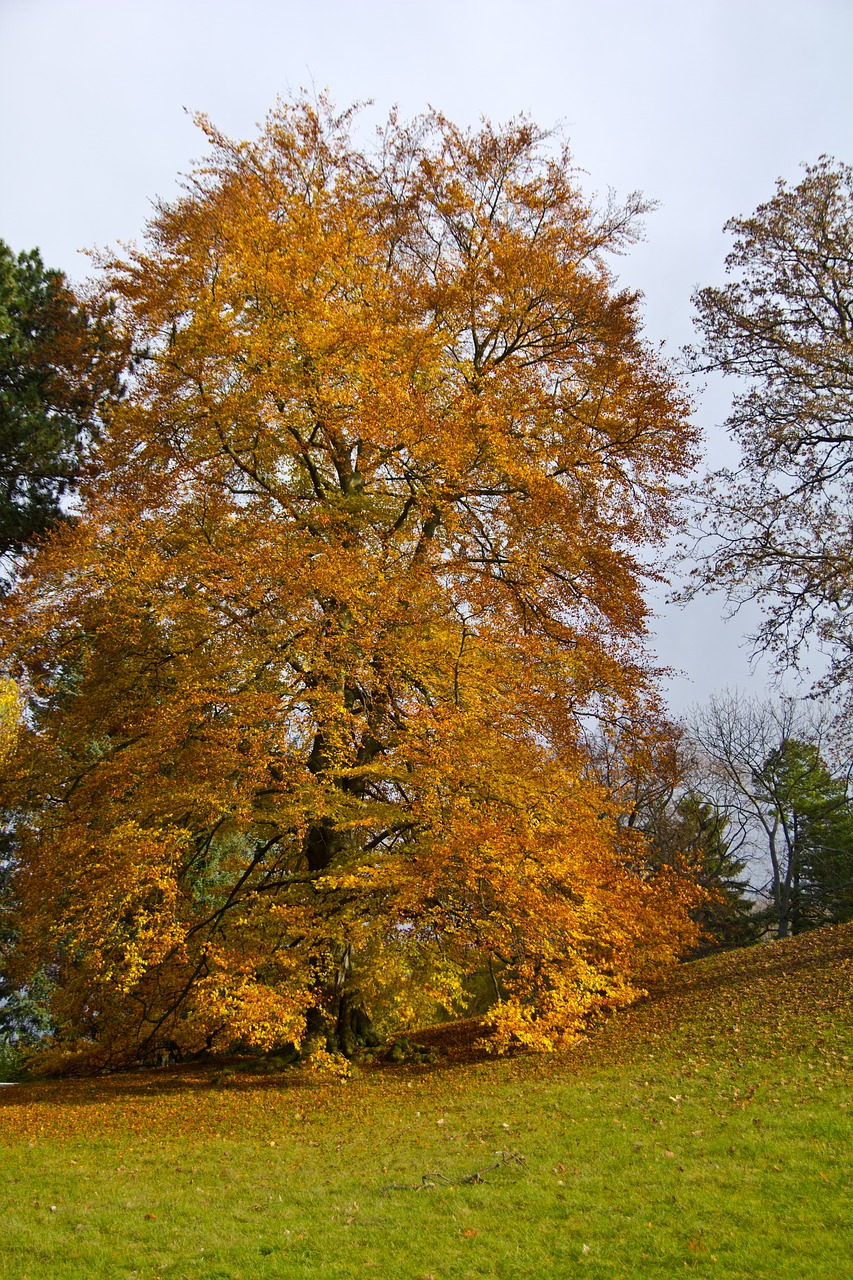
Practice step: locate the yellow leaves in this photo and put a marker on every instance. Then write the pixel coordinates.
(10, 713)
(322, 1062)
(122, 899)
(231, 1004)
(357, 560)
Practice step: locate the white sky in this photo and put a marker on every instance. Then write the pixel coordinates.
(701, 104)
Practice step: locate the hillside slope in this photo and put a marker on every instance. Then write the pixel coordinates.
(706, 1129)
(776, 997)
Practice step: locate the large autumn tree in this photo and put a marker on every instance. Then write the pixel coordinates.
(366, 541)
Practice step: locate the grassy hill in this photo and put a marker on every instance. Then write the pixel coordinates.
(704, 1131)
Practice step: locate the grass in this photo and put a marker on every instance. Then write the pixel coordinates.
(704, 1132)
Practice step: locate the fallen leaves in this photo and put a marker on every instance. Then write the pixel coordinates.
(176, 1140)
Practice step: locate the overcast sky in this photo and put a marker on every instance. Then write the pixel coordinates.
(701, 104)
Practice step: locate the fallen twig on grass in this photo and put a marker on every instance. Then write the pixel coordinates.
(429, 1180)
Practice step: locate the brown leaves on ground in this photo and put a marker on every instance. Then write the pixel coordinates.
(786, 995)
(778, 994)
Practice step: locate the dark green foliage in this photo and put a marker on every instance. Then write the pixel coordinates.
(815, 820)
(826, 874)
(764, 768)
(664, 795)
(692, 832)
(60, 363)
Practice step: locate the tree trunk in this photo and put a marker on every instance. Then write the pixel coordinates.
(353, 1026)
(339, 1013)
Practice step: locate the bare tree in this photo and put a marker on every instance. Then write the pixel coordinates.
(781, 521)
(764, 762)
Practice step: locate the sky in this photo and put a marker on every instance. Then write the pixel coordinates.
(700, 104)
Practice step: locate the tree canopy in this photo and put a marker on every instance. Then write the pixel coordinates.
(59, 361)
(360, 549)
(816, 815)
(784, 325)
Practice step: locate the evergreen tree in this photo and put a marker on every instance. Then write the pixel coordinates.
(59, 363)
(693, 833)
(816, 816)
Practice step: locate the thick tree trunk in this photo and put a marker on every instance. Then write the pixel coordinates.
(353, 1026)
(339, 1013)
(345, 1027)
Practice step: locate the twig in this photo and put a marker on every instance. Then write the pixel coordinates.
(469, 1179)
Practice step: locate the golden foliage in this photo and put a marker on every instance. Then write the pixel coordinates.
(361, 549)
(10, 712)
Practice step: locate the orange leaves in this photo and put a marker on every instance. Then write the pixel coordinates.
(360, 554)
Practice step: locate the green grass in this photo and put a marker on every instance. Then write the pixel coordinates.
(705, 1132)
